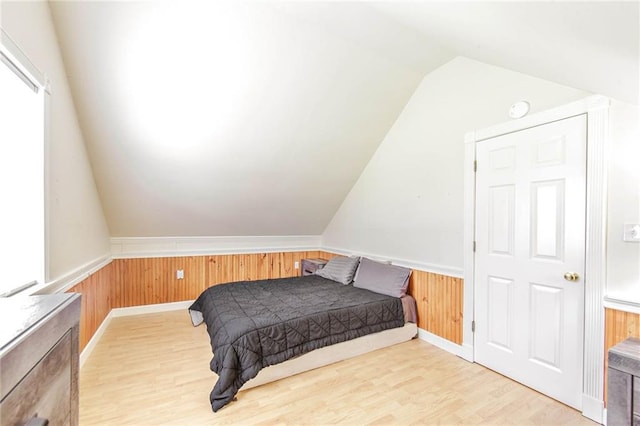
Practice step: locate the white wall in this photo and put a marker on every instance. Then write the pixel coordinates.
(78, 233)
(408, 202)
(623, 258)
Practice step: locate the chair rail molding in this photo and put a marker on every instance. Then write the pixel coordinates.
(137, 247)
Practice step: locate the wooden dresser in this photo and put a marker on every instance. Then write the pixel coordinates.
(623, 383)
(39, 359)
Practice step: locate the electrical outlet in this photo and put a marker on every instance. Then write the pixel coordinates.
(631, 233)
(296, 265)
(180, 274)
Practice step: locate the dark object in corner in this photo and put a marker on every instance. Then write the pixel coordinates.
(623, 383)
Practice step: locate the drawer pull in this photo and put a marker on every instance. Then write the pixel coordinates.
(37, 421)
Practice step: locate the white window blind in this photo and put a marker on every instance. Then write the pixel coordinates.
(22, 237)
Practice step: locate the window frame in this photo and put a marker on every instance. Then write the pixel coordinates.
(17, 62)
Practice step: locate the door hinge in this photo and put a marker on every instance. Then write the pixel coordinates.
(475, 165)
(474, 246)
(473, 326)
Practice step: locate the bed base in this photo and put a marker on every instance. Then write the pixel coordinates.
(332, 354)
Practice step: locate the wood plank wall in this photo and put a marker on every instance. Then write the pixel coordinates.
(440, 304)
(144, 281)
(96, 301)
(618, 326)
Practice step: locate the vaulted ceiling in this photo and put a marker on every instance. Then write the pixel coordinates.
(256, 118)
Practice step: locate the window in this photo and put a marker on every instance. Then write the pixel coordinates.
(22, 131)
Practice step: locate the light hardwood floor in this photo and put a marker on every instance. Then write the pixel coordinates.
(154, 369)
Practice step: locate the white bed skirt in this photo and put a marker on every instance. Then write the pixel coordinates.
(334, 353)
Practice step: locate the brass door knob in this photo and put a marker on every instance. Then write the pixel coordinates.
(571, 276)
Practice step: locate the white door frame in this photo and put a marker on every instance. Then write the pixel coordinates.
(597, 109)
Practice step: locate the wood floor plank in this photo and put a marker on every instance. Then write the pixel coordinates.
(154, 369)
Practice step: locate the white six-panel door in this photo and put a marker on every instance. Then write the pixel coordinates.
(530, 250)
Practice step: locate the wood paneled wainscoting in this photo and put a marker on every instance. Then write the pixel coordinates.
(440, 304)
(144, 281)
(96, 303)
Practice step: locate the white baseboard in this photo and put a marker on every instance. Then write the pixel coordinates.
(593, 409)
(95, 339)
(467, 352)
(442, 343)
(123, 312)
(150, 309)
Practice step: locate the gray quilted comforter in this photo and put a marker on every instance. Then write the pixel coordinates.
(254, 324)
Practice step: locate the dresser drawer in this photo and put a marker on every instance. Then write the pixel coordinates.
(636, 400)
(45, 391)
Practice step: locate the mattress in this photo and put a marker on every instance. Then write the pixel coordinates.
(255, 324)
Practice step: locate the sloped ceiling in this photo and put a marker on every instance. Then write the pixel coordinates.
(256, 118)
(592, 45)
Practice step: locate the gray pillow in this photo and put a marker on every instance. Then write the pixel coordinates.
(386, 279)
(340, 269)
(385, 262)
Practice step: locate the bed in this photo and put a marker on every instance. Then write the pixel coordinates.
(269, 329)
